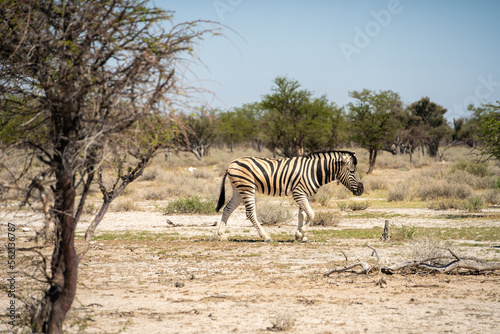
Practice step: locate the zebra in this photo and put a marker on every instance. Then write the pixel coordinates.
(300, 177)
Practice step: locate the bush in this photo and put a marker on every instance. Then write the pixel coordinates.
(272, 213)
(353, 205)
(203, 174)
(474, 181)
(474, 204)
(153, 194)
(403, 233)
(492, 196)
(282, 322)
(375, 183)
(474, 168)
(446, 204)
(192, 204)
(443, 189)
(425, 247)
(325, 218)
(322, 199)
(400, 192)
(126, 205)
(149, 174)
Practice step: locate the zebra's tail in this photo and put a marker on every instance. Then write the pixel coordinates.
(222, 196)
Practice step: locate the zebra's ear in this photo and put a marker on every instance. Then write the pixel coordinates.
(354, 159)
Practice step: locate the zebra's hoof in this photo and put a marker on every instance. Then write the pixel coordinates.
(218, 237)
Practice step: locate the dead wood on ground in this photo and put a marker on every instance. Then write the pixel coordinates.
(439, 264)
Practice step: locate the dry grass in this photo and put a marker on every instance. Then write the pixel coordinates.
(353, 205)
(127, 205)
(283, 321)
(426, 247)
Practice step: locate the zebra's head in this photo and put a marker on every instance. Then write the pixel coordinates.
(348, 174)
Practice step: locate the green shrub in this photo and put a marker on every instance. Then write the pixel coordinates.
(342, 206)
(474, 204)
(190, 204)
(475, 168)
(403, 233)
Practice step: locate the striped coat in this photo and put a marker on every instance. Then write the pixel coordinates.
(300, 177)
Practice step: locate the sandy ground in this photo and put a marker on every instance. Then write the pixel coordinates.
(187, 284)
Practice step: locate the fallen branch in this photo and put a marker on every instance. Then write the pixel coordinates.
(456, 262)
(365, 268)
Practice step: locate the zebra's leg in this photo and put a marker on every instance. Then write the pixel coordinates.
(228, 210)
(304, 210)
(301, 216)
(252, 216)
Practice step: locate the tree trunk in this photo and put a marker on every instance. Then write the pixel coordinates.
(410, 149)
(371, 160)
(49, 316)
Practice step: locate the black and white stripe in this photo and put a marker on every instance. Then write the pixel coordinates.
(300, 177)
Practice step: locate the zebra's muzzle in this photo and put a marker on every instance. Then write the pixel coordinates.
(359, 190)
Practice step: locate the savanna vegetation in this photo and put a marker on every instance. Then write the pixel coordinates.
(94, 118)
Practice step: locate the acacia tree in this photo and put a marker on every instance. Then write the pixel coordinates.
(429, 116)
(197, 133)
(241, 124)
(374, 119)
(294, 121)
(412, 135)
(84, 84)
(490, 130)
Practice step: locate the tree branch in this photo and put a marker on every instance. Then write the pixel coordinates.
(456, 262)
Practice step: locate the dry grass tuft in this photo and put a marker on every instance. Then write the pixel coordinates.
(283, 321)
(426, 247)
(126, 205)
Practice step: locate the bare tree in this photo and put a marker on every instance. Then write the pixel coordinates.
(84, 84)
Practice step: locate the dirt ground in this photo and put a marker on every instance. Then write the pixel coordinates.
(187, 284)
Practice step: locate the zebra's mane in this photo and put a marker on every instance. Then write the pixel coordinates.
(313, 154)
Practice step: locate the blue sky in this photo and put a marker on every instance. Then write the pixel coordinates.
(446, 50)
